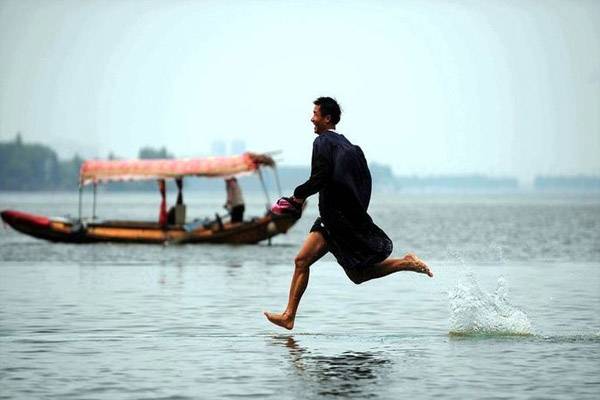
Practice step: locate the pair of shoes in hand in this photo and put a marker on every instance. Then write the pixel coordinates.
(287, 206)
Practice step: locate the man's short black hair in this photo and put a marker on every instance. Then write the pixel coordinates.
(329, 106)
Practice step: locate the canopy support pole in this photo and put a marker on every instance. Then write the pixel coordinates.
(80, 195)
(94, 203)
(264, 186)
(276, 173)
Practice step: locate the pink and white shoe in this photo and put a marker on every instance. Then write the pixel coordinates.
(287, 206)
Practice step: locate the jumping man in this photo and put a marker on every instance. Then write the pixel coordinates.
(339, 173)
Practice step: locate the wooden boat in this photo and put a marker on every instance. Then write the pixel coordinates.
(74, 231)
(82, 230)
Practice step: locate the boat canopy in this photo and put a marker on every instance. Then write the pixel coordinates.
(94, 171)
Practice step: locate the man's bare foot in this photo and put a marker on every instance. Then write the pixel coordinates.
(418, 265)
(280, 319)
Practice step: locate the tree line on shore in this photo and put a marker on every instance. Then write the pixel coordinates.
(26, 166)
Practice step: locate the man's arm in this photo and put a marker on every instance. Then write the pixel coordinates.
(319, 175)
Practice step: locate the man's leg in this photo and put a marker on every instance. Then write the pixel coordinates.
(409, 262)
(314, 247)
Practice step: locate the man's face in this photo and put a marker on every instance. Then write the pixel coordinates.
(321, 123)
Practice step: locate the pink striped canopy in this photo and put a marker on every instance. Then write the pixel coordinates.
(93, 171)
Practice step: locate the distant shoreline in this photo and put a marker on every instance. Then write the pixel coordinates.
(36, 167)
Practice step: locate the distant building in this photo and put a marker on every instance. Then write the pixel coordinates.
(218, 148)
(238, 146)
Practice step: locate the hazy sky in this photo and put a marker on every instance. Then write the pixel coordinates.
(428, 87)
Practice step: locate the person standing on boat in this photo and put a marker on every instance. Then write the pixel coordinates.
(235, 201)
(340, 174)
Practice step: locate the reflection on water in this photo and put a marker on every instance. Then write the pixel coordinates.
(349, 373)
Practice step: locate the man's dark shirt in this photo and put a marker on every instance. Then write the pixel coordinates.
(340, 174)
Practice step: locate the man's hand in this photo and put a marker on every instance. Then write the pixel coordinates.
(297, 200)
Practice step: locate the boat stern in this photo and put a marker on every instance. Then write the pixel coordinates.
(39, 226)
(17, 219)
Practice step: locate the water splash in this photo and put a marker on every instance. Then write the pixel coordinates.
(475, 312)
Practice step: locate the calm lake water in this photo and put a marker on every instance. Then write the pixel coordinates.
(513, 310)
